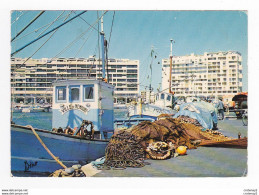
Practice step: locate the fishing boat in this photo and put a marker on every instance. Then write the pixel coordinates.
(73, 102)
(82, 123)
(46, 108)
(26, 109)
(16, 109)
(163, 104)
(31, 109)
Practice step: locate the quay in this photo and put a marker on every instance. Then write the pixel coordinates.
(200, 162)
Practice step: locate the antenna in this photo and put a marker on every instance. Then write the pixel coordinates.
(171, 49)
(171, 59)
(102, 25)
(150, 88)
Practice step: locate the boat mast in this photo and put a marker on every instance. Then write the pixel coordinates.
(171, 62)
(103, 50)
(150, 88)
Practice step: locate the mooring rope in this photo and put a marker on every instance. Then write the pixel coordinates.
(46, 148)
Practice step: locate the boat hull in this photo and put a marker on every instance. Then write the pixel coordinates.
(33, 110)
(27, 153)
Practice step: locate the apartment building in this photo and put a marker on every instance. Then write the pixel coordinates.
(210, 74)
(32, 80)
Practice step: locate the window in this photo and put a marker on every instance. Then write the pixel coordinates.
(74, 94)
(61, 94)
(168, 98)
(132, 71)
(88, 92)
(162, 96)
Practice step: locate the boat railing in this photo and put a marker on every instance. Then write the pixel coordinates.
(119, 123)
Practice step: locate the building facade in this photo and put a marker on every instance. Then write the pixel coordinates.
(31, 80)
(210, 74)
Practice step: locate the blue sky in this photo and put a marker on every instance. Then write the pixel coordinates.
(135, 32)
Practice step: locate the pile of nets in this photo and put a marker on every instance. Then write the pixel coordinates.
(154, 140)
(124, 150)
(215, 136)
(166, 130)
(186, 119)
(159, 150)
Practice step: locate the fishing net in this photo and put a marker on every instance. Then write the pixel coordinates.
(186, 119)
(154, 140)
(124, 150)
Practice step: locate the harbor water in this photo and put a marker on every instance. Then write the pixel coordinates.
(43, 120)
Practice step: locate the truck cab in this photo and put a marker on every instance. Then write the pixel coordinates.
(240, 103)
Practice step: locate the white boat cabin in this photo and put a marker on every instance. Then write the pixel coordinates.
(78, 100)
(164, 99)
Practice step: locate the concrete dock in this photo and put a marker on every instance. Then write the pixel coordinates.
(200, 162)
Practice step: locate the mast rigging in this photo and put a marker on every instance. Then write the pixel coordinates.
(27, 25)
(18, 50)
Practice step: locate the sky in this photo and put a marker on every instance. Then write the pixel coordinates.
(132, 34)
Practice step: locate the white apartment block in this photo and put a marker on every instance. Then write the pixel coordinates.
(210, 74)
(33, 79)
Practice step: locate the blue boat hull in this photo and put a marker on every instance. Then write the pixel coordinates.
(27, 154)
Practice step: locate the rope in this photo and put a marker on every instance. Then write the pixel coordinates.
(79, 50)
(17, 18)
(111, 29)
(75, 40)
(51, 24)
(27, 25)
(87, 22)
(36, 30)
(39, 47)
(46, 148)
(20, 49)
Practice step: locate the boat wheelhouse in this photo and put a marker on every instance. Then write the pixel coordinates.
(78, 100)
(162, 105)
(164, 99)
